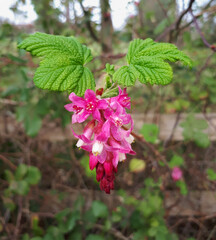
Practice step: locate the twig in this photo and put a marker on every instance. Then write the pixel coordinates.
(113, 231)
(40, 214)
(212, 233)
(9, 102)
(212, 47)
(176, 24)
(88, 23)
(5, 227)
(8, 162)
(206, 9)
(164, 10)
(199, 73)
(173, 130)
(150, 146)
(19, 216)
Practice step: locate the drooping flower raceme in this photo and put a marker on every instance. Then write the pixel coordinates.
(104, 136)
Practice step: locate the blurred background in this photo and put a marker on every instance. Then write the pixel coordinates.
(46, 188)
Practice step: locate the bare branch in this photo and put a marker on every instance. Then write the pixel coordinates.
(176, 24)
(88, 22)
(201, 34)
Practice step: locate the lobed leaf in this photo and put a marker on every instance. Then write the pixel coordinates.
(62, 67)
(146, 60)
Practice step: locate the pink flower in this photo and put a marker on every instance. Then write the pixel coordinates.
(82, 108)
(176, 173)
(104, 136)
(122, 99)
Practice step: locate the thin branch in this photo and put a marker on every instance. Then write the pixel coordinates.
(8, 162)
(173, 130)
(8, 102)
(176, 24)
(208, 9)
(18, 222)
(213, 47)
(164, 10)
(150, 146)
(88, 22)
(117, 234)
(199, 73)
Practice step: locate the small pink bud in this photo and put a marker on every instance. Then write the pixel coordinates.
(176, 173)
(108, 167)
(99, 91)
(99, 172)
(106, 185)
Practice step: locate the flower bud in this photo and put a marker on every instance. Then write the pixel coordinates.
(176, 173)
(99, 172)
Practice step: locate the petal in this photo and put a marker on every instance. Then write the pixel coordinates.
(120, 90)
(82, 116)
(74, 118)
(108, 113)
(69, 107)
(102, 104)
(117, 133)
(102, 157)
(79, 101)
(90, 95)
(105, 132)
(115, 159)
(96, 114)
(92, 161)
(88, 129)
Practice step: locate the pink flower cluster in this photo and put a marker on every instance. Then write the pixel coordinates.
(103, 136)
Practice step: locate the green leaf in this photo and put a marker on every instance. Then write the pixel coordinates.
(99, 209)
(146, 63)
(8, 203)
(150, 132)
(32, 124)
(137, 165)
(33, 175)
(201, 139)
(67, 220)
(63, 65)
(211, 174)
(54, 233)
(176, 161)
(77, 234)
(19, 187)
(36, 238)
(110, 69)
(125, 76)
(85, 164)
(161, 26)
(183, 187)
(193, 131)
(26, 237)
(31, 119)
(21, 171)
(110, 93)
(94, 237)
(9, 176)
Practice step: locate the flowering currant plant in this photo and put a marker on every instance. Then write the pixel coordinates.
(107, 135)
